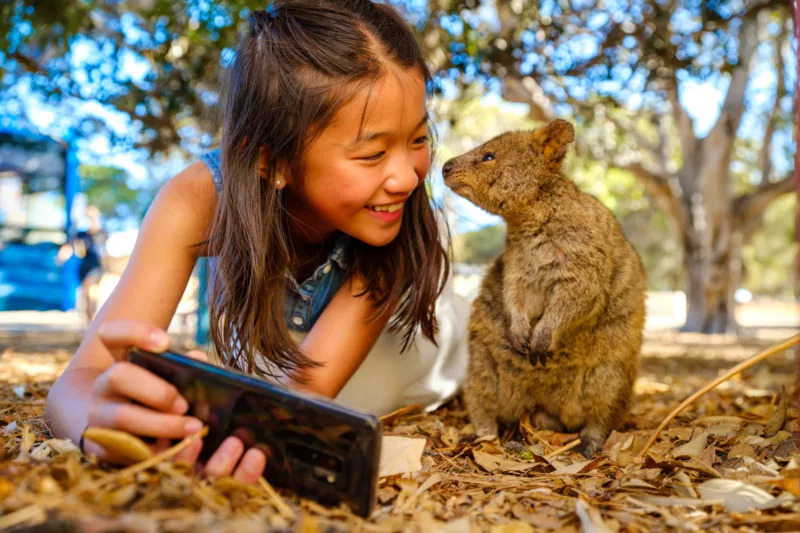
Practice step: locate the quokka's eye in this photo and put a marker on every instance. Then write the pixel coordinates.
(488, 156)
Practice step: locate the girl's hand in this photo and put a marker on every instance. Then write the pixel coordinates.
(161, 408)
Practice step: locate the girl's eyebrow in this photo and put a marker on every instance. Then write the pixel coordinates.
(370, 136)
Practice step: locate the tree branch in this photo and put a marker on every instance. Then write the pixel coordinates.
(664, 190)
(527, 91)
(780, 92)
(683, 122)
(754, 203)
(508, 19)
(733, 105)
(29, 63)
(665, 144)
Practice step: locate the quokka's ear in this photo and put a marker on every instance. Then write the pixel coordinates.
(553, 140)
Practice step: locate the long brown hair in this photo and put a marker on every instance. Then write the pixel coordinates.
(300, 61)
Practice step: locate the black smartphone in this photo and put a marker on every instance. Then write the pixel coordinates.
(315, 447)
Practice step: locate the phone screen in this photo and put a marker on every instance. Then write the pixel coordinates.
(314, 446)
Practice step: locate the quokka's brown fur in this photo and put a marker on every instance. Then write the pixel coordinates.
(557, 327)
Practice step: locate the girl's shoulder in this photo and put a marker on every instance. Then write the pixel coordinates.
(186, 204)
(195, 185)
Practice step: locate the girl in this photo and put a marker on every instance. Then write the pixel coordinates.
(327, 257)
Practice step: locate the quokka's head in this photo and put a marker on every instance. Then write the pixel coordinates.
(504, 174)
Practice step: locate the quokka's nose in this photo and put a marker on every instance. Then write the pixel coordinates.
(447, 168)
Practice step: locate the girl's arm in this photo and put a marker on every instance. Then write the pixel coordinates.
(141, 305)
(99, 387)
(341, 339)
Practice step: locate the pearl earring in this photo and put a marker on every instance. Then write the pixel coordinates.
(278, 182)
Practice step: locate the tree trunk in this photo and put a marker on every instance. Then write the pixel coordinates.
(711, 283)
(707, 193)
(697, 314)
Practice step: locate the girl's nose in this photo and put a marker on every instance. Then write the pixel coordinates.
(403, 178)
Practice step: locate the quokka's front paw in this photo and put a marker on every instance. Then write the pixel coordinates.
(539, 357)
(519, 331)
(519, 344)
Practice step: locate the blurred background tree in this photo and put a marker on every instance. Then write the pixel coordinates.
(156, 61)
(621, 69)
(698, 202)
(109, 189)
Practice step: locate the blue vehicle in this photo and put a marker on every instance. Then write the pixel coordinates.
(38, 184)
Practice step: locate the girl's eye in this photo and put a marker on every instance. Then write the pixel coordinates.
(421, 140)
(373, 157)
(488, 156)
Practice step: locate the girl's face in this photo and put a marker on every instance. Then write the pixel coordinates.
(357, 176)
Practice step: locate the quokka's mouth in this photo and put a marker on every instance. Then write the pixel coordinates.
(459, 187)
(451, 180)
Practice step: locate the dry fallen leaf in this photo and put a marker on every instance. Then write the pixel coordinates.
(574, 468)
(540, 520)
(119, 443)
(493, 462)
(737, 496)
(790, 484)
(57, 488)
(778, 418)
(512, 527)
(741, 450)
(693, 448)
(682, 485)
(400, 455)
(26, 440)
(590, 518)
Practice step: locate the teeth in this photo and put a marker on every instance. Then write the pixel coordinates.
(388, 208)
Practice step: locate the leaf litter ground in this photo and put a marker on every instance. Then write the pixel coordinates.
(730, 462)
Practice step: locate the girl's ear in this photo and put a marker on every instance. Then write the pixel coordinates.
(263, 164)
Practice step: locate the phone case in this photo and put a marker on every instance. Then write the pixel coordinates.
(319, 449)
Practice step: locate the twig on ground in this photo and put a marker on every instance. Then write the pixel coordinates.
(747, 363)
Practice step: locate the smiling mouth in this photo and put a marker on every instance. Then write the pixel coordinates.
(389, 208)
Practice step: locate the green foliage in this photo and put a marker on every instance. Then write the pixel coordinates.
(769, 259)
(108, 189)
(179, 44)
(480, 246)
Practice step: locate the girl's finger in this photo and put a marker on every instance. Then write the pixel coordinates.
(190, 453)
(118, 335)
(141, 421)
(223, 461)
(197, 354)
(161, 445)
(250, 467)
(127, 380)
